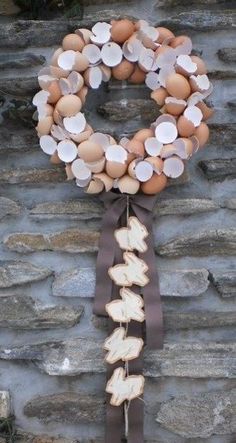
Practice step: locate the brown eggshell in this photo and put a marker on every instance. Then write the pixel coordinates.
(201, 67)
(131, 168)
(123, 71)
(95, 186)
(177, 41)
(55, 56)
(143, 134)
(206, 111)
(44, 126)
(128, 185)
(168, 150)
(97, 166)
(159, 96)
(81, 62)
(185, 127)
(68, 105)
(174, 108)
(115, 169)
(156, 184)
(59, 72)
(156, 162)
(164, 33)
(54, 159)
(82, 94)
(106, 180)
(55, 92)
(121, 30)
(90, 151)
(202, 133)
(178, 86)
(136, 147)
(138, 76)
(73, 41)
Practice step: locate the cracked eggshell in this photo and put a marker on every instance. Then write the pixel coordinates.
(75, 124)
(157, 164)
(59, 72)
(168, 150)
(93, 77)
(178, 86)
(138, 76)
(95, 186)
(152, 81)
(67, 151)
(44, 126)
(48, 144)
(111, 54)
(206, 111)
(92, 53)
(132, 48)
(185, 65)
(68, 105)
(201, 67)
(80, 171)
(164, 34)
(81, 62)
(166, 132)
(54, 91)
(122, 30)
(156, 184)
(54, 159)
(194, 114)
(184, 147)
(199, 83)
(147, 60)
(106, 72)
(73, 41)
(83, 136)
(85, 34)
(105, 179)
(174, 106)
(143, 171)
(128, 185)
(182, 44)
(90, 151)
(185, 127)
(202, 133)
(123, 71)
(152, 146)
(54, 59)
(82, 94)
(143, 134)
(131, 168)
(101, 33)
(173, 167)
(136, 147)
(69, 173)
(97, 166)
(159, 96)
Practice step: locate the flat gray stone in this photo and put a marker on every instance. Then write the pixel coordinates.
(14, 273)
(81, 283)
(72, 240)
(32, 176)
(219, 169)
(203, 243)
(230, 203)
(225, 282)
(85, 355)
(201, 415)
(15, 140)
(200, 20)
(8, 207)
(126, 109)
(22, 312)
(227, 55)
(17, 60)
(19, 86)
(223, 135)
(184, 206)
(5, 404)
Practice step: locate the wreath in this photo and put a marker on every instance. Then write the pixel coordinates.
(127, 174)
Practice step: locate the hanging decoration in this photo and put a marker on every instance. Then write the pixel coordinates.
(127, 174)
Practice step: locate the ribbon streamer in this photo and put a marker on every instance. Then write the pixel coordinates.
(142, 207)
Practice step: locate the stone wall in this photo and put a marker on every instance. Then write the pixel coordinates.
(51, 364)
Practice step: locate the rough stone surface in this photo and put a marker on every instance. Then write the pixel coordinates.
(14, 273)
(12, 140)
(225, 282)
(127, 109)
(200, 20)
(73, 241)
(223, 135)
(81, 283)
(24, 313)
(219, 169)
(203, 243)
(32, 176)
(20, 60)
(184, 206)
(82, 356)
(228, 55)
(5, 404)
(201, 415)
(8, 207)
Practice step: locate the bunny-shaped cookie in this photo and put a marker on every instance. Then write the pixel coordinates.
(130, 273)
(133, 236)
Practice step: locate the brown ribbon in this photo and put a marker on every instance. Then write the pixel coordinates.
(142, 207)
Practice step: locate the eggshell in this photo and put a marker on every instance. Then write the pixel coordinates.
(178, 86)
(138, 76)
(123, 71)
(181, 40)
(55, 92)
(128, 185)
(115, 169)
(131, 168)
(121, 30)
(44, 126)
(81, 62)
(159, 96)
(206, 111)
(55, 56)
(90, 151)
(85, 34)
(202, 134)
(54, 159)
(68, 105)
(174, 106)
(73, 41)
(143, 134)
(97, 166)
(156, 184)
(136, 147)
(201, 67)
(185, 127)
(157, 164)
(106, 180)
(95, 187)
(59, 72)
(164, 34)
(168, 150)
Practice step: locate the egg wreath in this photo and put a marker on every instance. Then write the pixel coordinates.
(127, 174)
